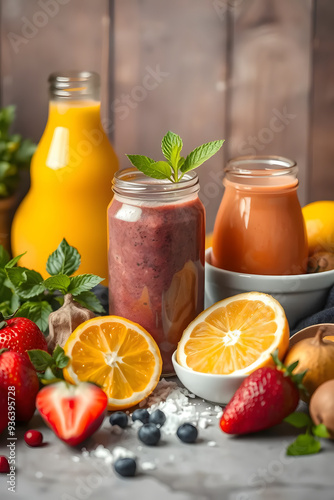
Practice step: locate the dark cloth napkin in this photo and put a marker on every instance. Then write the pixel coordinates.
(326, 315)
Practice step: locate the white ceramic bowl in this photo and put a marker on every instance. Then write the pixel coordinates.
(214, 388)
(300, 295)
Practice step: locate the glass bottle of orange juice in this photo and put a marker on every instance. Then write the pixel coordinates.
(259, 227)
(71, 175)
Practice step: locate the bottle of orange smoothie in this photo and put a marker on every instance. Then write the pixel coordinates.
(259, 227)
(71, 176)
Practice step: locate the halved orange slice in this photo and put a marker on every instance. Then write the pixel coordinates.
(235, 336)
(118, 355)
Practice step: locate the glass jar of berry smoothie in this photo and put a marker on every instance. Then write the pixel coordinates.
(259, 227)
(156, 255)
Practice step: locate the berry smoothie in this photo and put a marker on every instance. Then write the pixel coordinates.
(156, 266)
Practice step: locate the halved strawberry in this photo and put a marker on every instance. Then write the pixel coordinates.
(73, 412)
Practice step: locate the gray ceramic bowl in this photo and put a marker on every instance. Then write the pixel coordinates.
(300, 295)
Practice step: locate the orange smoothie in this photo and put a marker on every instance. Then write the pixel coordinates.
(259, 227)
(71, 176)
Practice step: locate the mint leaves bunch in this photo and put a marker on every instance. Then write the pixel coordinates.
(305, 444)
(25, 291)
(175, 165)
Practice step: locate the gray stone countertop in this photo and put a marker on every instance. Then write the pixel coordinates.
(216, 467)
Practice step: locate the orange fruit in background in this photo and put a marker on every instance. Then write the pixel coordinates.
(235, 336)
(319, 221)
(116, 354)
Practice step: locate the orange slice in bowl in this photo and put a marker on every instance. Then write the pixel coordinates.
(235, 336)
(118, 355)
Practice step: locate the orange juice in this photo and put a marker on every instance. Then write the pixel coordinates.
(259, 227)
(71, 175)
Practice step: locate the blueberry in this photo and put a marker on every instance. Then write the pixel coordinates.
(119, 418)
(141, 414)
(125, 467)
(187, 433)
(158, 417)
(149, 434)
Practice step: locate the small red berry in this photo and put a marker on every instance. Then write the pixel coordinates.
(33, 438)
(4, 465)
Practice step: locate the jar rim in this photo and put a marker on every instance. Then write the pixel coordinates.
(261, 166)
(131, 182)
(73, 84)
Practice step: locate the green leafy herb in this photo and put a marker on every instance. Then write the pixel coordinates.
(83, 283)
(49, 368)
(15, 153)
(25, 292)
(298, 419)
(320, 431)
(176, 165)
(64, 260)
(305, 444)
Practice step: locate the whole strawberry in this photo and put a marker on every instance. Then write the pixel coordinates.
(20, 335)
(19, 377)
(263, 400)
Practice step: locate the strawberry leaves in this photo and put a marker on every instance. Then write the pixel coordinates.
(49, 368)
(305, 444)
(296, 378)
(176, 166)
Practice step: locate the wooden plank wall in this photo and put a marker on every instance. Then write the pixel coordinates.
(258, 73)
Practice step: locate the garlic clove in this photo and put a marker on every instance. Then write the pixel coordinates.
(65, 320)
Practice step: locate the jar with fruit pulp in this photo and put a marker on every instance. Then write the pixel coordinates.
(259, 227)
(71, 174)
(156, 255)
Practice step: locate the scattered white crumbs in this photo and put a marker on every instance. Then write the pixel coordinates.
(148, 466)
(110, 456)
(212, 443)
(39, 474)
(176, 403)
(76, 459)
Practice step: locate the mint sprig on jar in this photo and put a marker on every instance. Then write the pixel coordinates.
(175, 165)
(156, 225)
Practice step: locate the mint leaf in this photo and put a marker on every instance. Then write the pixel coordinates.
(16, 275)
(60, 282)
(83, 283)
(298, 419)
(40, 359)
(32, 285)
(305, 444)
(27, 283)
(14, 261)
(149, 167)
(90, 301)
(59, 357)
(171, 146)
(200, 155)
(49, 377)
(64, 260)
(321, 431)
(4, 256)
(38, 312)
